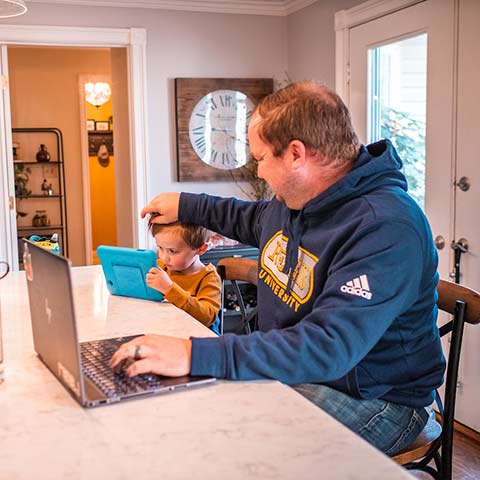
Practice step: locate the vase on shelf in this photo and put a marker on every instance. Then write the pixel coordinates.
(42, 154)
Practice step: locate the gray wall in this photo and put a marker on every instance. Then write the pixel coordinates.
(311, 41)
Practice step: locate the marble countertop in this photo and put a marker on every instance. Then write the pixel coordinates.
(225, 430)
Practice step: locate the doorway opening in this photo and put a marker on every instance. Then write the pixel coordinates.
(96, 113)
(44, 93)
(127, 61)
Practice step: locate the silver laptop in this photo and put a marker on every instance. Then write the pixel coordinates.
(81, 367)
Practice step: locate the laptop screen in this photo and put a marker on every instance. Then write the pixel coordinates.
(52, 312)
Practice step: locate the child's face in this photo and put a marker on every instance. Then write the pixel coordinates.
(173, 251)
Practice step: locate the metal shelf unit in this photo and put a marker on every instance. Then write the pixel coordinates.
(43, 135)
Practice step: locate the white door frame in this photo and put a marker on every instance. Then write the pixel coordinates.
(134, 39)
(344, 21)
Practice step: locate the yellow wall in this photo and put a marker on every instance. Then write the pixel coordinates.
(103, 112)
(102, 189)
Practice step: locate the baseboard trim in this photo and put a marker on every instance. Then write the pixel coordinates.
(467, 431)
(461, 428)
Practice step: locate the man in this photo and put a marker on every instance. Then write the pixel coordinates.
(347, 274)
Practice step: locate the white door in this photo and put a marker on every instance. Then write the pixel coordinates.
(466, 217)
(405, 84)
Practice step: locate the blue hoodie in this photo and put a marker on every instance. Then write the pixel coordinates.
(360, 312)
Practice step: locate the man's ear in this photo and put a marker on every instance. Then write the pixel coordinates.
(202, 249)
(298, 153)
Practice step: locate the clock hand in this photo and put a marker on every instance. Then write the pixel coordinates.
(224, 130)
(221, 129)
(239, 139)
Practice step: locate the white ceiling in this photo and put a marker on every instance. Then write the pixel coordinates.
(251, 7)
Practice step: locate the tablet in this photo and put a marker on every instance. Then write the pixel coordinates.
(125, 270)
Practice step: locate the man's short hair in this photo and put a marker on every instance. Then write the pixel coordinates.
(193, 235)
(313, 114)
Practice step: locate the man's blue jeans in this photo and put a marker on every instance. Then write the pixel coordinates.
(387, 426)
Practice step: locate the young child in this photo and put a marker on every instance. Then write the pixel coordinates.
(182, 278)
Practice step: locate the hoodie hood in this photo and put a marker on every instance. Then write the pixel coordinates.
(378, 165)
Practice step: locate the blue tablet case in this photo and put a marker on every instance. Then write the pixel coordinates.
(125, 270)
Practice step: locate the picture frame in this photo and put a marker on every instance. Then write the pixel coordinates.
(188, 93)
(95, 139)
(102, 126)
(90, 124)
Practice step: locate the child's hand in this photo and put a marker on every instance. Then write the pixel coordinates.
(159, 280)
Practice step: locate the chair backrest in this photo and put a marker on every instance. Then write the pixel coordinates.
(238, 268)
(235, 270)
(449, 293)
(464, 304)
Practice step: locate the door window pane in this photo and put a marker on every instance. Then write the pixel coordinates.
(397, 101)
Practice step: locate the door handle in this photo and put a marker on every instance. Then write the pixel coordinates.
(459, 248)
(463, 184)
(439, 242)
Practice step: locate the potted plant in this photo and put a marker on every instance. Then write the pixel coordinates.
(258, 188)
(21, 177)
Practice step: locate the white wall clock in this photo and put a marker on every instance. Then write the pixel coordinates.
(212, 125)
(218, 129)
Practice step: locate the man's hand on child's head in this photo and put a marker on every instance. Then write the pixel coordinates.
(151, 218)
(159, 280)
(164, 206)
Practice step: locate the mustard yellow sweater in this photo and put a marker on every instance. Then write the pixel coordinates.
(199, 294)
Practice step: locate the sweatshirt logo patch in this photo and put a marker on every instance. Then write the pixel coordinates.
(358, 286)
(272, 261)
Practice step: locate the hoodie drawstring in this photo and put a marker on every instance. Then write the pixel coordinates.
(293, 230)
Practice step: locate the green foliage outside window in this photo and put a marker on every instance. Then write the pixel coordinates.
(408, 137)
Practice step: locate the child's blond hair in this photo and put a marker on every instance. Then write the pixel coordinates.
(194, 235)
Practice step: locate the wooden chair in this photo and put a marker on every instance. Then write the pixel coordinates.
(235, 270)
(436, 440)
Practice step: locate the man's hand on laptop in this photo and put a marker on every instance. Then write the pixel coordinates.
(169, 356)
(163, 208)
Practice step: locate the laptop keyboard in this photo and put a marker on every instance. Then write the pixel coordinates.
(95, 357)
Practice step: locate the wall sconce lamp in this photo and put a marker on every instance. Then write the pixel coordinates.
(12, 8)
(97, 93)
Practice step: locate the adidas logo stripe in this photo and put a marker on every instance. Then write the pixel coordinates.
(358, 286)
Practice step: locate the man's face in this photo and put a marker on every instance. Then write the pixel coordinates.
(271, 168)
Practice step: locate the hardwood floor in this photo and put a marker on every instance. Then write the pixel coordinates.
(466, 459)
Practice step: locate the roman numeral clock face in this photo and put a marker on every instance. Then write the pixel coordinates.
(218, 129)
